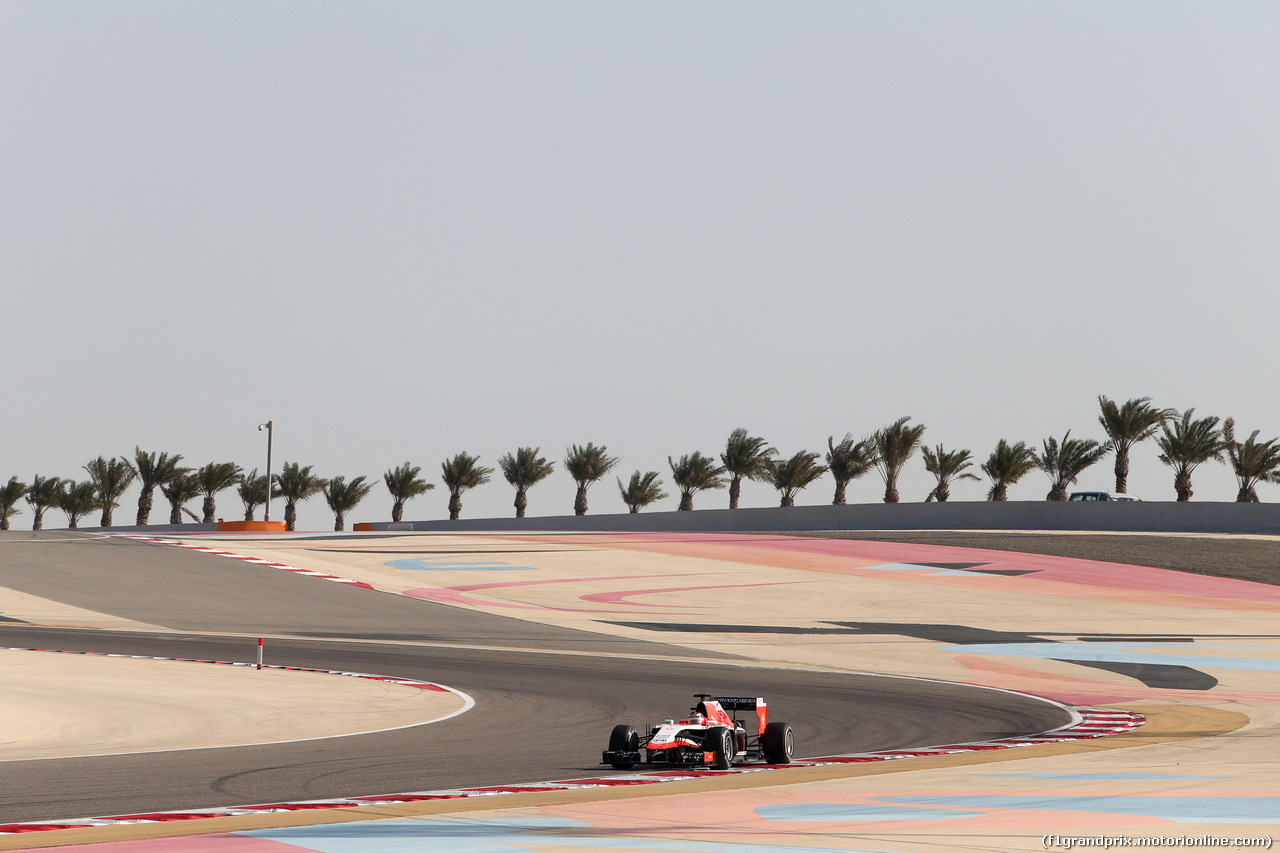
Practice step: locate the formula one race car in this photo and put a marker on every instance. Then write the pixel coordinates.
(709, 737)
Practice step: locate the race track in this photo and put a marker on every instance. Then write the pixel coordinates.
(545, 696)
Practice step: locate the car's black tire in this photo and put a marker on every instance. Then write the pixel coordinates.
(778, 743)
(623, 738)
(721, 742)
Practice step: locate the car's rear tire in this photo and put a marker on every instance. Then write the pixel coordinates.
(721, 743)
(623, 738)
(778, 743)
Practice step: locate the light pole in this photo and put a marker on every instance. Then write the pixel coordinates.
(270, 425)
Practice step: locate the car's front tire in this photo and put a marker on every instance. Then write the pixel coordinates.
(722, 745)
(623, 738)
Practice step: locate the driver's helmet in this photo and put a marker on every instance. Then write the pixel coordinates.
(696, 718)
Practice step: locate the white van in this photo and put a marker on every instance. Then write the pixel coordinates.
(1102, 496)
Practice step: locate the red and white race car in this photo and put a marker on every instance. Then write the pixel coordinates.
(710, 736)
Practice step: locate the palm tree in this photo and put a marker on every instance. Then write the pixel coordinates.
(789, 476)
(404, 483)
(295, 483)
(10, 493)
(181, 487)
(524, 469)
(1135, 421)
(252, 489)
(695, 473)
(213, 478)
(1065, 462)
(460, 473)
(112, 477)
(745, 456)
(643, 490)
(586, 465)
(894, 445)
(1187, 445)
(848, 461)
(41, 495)
(947, 466)
(77, 500)
(1006, 465)
(343, 497)
(151, 470)
(1253, 461)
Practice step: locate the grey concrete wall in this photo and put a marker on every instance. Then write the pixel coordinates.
(1146, 516)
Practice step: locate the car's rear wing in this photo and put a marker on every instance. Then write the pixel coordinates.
(730, 703)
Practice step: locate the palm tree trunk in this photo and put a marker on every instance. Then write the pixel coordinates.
(175, 514)
(1000, 492)
(71, 522)
(838, 500)
(397, 510)
(941, 493)
(209, 509)
(248, 514)
(1182, 482)
(290, 515)
(1242, 496)
(1122, 471)
(4, 523)
(686, 502)
(891, 488)
(144, 507)
(522, 503)
(635, 508)
(1058, 492)
(339, 521)
(580, 501)
(455, 506)
(37, 521)
(735, 491)
(105, 521)
(787, 500)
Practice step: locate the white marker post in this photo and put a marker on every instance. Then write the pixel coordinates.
(259, 653)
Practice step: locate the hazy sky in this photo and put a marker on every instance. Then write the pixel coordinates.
(403, 230)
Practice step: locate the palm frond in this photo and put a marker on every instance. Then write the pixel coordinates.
(1064, 462)
(587, 464)
(791, 475)
(525, 468)
(894, 445)
(641, 491)
(217, 476)
(77, 500)
(463, 471)
(252, 489)
(745, 455)
(10, 493)
(1006, 465)
(696, 473)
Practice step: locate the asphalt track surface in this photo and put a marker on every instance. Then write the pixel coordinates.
(1254, 559)
(544, 704)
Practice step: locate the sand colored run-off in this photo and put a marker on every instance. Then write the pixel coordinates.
(59, 705)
